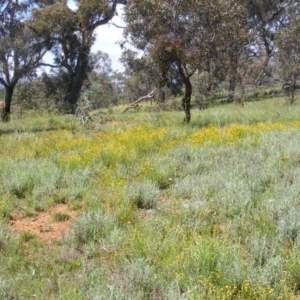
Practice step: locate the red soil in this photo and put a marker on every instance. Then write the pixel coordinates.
(43, 225)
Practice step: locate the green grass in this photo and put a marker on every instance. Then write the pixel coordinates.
(61, 217)
(167, 210)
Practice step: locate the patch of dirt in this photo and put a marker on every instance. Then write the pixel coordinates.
(43, 225)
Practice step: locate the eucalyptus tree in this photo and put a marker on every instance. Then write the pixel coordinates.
(71, 33)
(20, 48)
(265, 18)
(143, 74)
(139, 77)
(288, 44)
(100, 88)
(183, 34)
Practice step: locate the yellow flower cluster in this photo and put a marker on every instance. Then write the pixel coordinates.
(235, 132)
(245, 291)
(111, 148)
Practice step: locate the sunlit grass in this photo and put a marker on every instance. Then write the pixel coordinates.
(207, 210)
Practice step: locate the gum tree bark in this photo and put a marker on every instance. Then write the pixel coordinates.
(5, 113)
(186, 100)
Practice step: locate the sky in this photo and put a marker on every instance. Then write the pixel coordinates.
(107, 38)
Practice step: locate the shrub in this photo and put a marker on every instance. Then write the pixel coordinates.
(143, 194)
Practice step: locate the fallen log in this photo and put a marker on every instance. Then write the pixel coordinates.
(136, 102)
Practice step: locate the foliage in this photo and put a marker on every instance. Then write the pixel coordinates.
(142, 74)
(265, 18)
(188, 35)
(82, 111)
(101, 89)
(21, 50)
(289, 55)
(143, 195)
(71, 34)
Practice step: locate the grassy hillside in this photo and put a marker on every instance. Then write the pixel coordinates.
(164, 210)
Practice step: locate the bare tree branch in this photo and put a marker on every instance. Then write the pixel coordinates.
(135, 103)
(49, 65)
(107, 18)
(118, 26)
(2, 82)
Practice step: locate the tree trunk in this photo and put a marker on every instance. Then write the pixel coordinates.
(161, 95)
(186, 100)
(75, 84)
(263, 70)
(231, 89)
(5, 114)
(289, 91)
(162, 82)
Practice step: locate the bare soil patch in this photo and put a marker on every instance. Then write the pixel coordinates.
(43, 224)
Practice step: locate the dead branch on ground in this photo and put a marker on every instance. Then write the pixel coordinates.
(136, 102)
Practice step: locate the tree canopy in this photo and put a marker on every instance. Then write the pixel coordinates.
(21, 50)
(187, 34)
(71, 34)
